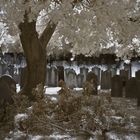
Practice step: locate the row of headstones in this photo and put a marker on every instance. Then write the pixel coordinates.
(129, 88)
(55, 74)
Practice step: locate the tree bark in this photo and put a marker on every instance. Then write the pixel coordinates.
(35, 54)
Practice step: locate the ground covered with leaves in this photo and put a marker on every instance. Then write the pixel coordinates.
(73, 115)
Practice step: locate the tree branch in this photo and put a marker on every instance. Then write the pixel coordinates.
(47, 34)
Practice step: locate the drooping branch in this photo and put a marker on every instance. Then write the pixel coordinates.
(47, 33)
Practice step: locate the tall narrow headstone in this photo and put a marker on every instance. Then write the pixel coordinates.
(80, 78)
(97, 72)
(54, 76)
(84, 71)
(92, 79)
(127, 67)
(60, 70)
(131, 90)
(125, 76)
(116, 86)
(71, 79)
(106, 79)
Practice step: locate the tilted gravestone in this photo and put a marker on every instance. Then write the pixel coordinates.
(106, 79)
(60, 70)
(97, 71)
(80, 78)
(116, 86)
(92, 83)
(131, 89)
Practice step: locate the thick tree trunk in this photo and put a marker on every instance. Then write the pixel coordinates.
(35, 53)
(35, 57)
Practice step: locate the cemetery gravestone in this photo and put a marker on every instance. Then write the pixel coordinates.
(116, 86)
(54, 76)
(60, 73)
(131, 88)
(127, 67)
(84, 71)
(97, 72)
(106, 79)
(80, 78)
(113, 71)
(125, 75)
(48, 76)
(91, 83)
(71, 79)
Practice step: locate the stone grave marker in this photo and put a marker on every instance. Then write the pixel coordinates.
(127, 67)
(60, 70)
(131, 90)
(80, 78)
(54, 76)
(116, 86)
(91, 83)
(97, 72)
(125, 75)
(71, 81)
(106, 79)
(84, 71)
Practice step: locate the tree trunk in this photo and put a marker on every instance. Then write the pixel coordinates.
(35, 57)
(35, 53)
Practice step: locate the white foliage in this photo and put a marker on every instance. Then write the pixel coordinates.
(93, 27)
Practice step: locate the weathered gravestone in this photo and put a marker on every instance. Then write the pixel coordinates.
(84, 71)
(54, 77)
(97, 72)
(90, 86)
(131, 89)
(106, 79)
(125, 75)
(16, 76)
(48, 76)
(113, 71)
(7, 90)
(60, 70)
(116, 86)
(71, 80)
(80, 78)
(127, 67)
